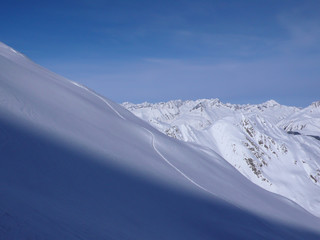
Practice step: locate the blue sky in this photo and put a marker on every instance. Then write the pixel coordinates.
(245, 51)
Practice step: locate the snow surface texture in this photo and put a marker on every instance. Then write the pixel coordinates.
(275, 146)
(75, 165)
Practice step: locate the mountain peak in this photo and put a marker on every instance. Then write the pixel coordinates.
(270, 103)
(315, 104)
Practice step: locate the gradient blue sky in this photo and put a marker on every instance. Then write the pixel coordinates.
(239, 51)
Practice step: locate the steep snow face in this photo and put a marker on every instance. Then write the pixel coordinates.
(75, 165)
(257, 140)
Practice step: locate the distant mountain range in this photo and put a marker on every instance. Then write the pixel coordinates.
(275, 146)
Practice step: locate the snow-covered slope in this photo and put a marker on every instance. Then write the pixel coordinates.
(257, 140)
(305, 122)
(75, 165)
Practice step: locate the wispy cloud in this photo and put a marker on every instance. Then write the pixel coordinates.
(303, 29)
(282, 79)
(158, 50)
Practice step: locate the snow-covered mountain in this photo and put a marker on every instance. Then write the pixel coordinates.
(277, 147)
(304, 122)
(75, 165)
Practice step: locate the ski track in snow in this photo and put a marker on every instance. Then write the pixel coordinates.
(174, 167)
(101, 98)
(152, 137)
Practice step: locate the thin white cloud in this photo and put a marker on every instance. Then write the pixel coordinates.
(303, 29)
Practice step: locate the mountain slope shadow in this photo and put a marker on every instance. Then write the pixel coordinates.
(51, 190)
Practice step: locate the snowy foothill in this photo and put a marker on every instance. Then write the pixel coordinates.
(75, 165)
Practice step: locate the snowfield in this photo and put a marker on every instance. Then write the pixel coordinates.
(75, 165)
